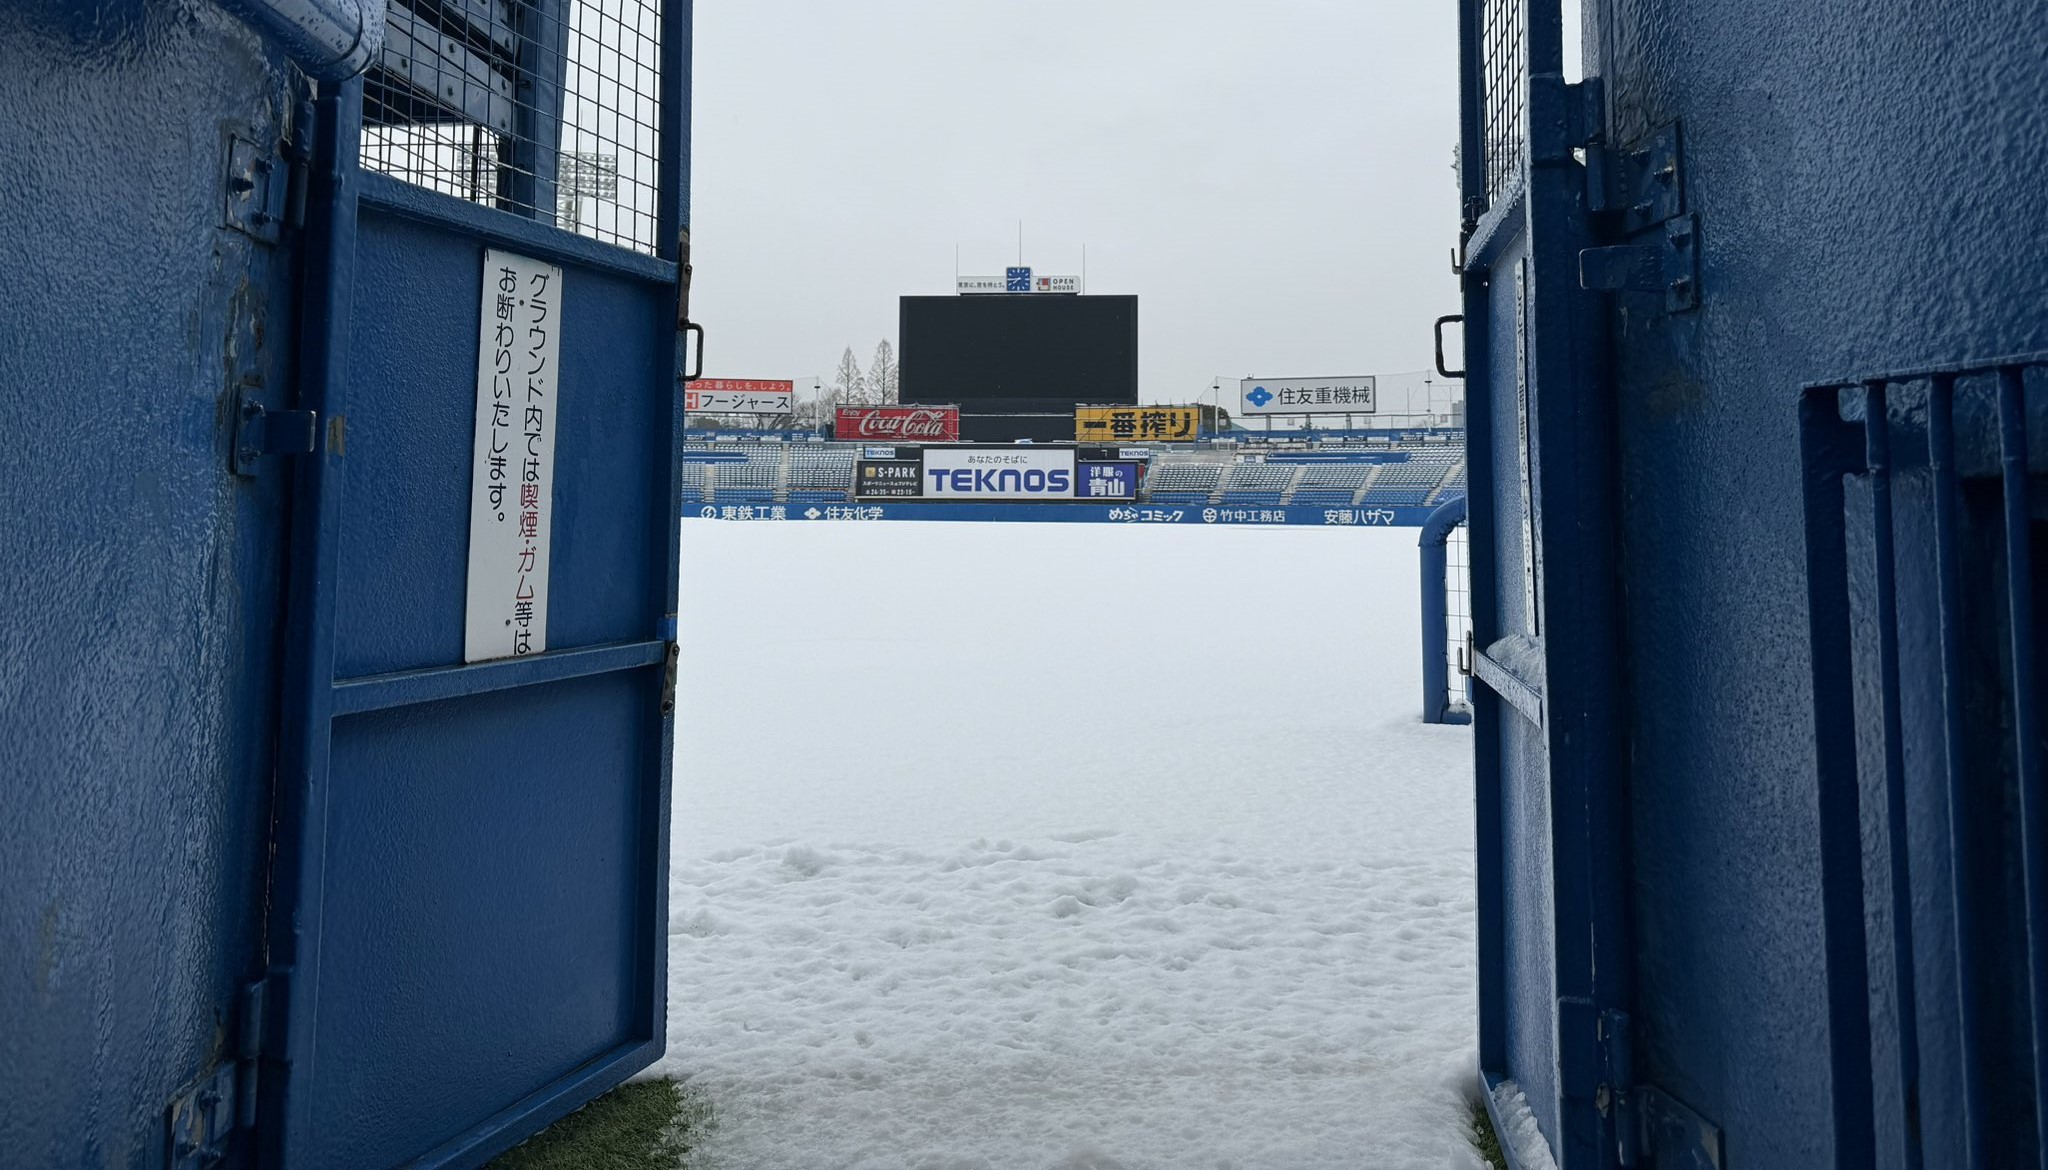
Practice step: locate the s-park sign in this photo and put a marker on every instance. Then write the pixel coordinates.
(885, 479)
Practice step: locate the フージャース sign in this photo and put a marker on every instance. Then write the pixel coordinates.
(739, 396)
(512, 467)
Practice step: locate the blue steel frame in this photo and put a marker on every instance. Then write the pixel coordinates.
(1436, 669)
(1847, 431)
(1562, 682)
(312, 695)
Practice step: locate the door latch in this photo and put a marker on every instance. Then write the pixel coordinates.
(260, 431)
(668, 680)
(690, 372)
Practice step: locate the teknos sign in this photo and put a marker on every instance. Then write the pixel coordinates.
(898, 424)
(998, 473)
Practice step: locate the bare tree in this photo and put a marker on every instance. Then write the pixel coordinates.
(849, 385)
(882, 374)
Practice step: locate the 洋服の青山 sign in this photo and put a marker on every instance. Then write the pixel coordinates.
(898, 424)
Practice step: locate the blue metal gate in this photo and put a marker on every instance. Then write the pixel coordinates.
(1553, 928)
(468, 900)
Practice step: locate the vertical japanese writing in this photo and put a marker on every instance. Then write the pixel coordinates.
(513, 489)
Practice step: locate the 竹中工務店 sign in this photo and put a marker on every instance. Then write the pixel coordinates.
(512, 467)
(1122, 424)
(739, 396)
(1308, 395)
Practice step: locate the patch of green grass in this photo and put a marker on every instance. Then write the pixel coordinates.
(649, 1125)
(1487, 1142)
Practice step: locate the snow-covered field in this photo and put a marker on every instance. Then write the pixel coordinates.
(1032, 846)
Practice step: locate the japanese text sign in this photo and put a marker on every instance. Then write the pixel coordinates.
(512, 469)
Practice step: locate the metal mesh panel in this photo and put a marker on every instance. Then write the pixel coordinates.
(1503, 27)
(549, 109)
(1457, 615)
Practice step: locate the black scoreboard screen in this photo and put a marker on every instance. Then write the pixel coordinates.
(1041, 348)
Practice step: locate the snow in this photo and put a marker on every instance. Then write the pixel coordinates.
(1066, 846)
(1519, 1132)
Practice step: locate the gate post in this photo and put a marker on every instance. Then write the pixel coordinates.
(1436, 534)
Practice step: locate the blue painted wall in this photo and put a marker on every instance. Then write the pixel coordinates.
(138, 587)
(1872, 184)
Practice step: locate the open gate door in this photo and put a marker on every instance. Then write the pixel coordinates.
(1553, 947)
(467, 932)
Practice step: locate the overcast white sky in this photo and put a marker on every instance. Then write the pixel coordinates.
(1272, 180)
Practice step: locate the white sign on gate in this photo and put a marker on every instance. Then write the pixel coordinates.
(512, 472)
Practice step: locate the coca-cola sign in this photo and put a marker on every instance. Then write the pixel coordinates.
(898, 424)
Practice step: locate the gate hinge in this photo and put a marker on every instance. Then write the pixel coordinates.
(1672, 266)
(1647, 185)
(1564, 116)
(258, 190)
(260, 431)
(200, 1122)
(668, 680)
(1673, 1136)
(1616, 1097)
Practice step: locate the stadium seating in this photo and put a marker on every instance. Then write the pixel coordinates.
(1331, 484)
(1411, 482)
(820, 474)
(1258, 483)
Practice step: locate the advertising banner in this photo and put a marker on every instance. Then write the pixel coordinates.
(738, 396)
(1357, 395)
(898, 424)
(1124, 424)
(1291, 515)
(1107, 481)
(886, 479)
(1016, 280)
(998, 473)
